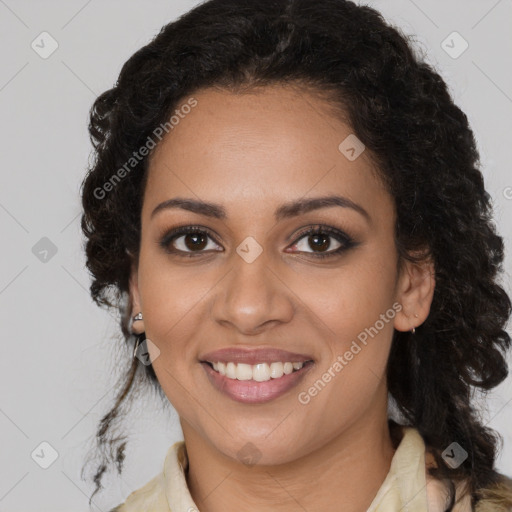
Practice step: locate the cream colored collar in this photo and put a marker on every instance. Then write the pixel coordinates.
(407, 486)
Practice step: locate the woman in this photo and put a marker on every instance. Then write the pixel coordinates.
(287, 206)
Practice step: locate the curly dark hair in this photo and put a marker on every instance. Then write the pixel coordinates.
(401, 109)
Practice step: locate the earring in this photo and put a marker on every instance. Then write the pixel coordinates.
(413, 330)
(134, 319)
(140, 339)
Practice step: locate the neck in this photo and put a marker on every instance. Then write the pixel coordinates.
(349, 469)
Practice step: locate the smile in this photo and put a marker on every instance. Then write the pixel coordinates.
(260, 372)
(259, 383)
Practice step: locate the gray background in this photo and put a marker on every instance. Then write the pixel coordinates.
(60, 353)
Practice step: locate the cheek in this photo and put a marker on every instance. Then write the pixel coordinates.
(358, 342)
(356, 305)
(174, 309)
(352, 297)
(172, 299)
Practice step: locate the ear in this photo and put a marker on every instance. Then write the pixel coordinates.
(136, 305)
(414, 291)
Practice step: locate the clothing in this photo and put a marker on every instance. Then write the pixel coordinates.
(406, 488)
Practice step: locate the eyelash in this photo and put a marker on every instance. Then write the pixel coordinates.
(344, 239)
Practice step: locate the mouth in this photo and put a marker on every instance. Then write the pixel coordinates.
(260, 372)
(258, 383)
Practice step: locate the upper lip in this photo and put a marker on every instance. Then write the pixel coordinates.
(253, 356)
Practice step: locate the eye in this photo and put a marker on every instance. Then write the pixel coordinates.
(186, 240)
(319, 238)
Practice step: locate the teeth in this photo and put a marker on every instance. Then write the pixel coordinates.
(276, 370)
(259, 372)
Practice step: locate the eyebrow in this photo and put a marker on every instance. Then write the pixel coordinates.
(285, 211)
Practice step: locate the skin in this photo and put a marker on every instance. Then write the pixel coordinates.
(252, 152)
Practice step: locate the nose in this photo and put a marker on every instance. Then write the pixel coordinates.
(252, 297)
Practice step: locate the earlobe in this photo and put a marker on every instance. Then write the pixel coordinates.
(415, 292)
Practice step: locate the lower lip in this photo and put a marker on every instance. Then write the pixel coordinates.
(251, 391)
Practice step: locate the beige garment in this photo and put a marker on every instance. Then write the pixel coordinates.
(406, 488)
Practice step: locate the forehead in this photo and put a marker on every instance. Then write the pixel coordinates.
(266, 146)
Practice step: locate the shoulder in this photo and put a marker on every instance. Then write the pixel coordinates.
(496, 498)
(153, 496)
(148, 498)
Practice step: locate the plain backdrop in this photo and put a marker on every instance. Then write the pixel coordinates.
(57, 370)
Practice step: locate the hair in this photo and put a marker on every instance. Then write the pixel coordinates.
(402, 111)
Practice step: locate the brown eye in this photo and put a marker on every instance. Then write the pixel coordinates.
(195, 241)
(187, 240)
(324, 241)
(319, 242)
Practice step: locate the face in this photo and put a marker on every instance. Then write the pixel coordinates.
(253, 280)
